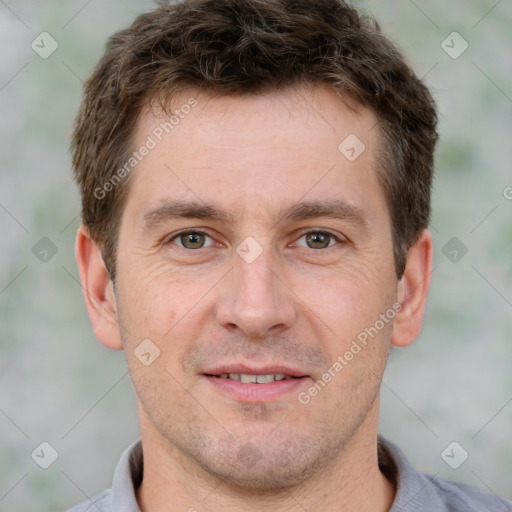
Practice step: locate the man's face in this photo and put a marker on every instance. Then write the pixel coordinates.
(288, 259)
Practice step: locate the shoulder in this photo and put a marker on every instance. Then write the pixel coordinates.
(121, 497)
(101, 501)
(423, 492)
(457, 496)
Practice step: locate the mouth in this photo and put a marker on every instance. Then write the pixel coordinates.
(255, 385)
(247, 378)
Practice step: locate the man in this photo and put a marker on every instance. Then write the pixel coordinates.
(256, 180)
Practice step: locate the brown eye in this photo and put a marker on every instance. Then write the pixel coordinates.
(192, 240)
(318, 240)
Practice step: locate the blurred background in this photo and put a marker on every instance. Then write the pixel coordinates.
(58, 385)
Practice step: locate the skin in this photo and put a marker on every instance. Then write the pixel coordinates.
(295, 305)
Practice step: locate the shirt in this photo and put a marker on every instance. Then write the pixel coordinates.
(416, 491)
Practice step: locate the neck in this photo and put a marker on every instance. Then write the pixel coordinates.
(352, 483)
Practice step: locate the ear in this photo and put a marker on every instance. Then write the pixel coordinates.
(412, 291)
(98, 290)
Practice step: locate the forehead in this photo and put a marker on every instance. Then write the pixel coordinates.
(257, 150)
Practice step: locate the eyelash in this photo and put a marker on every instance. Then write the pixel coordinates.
(199, 231)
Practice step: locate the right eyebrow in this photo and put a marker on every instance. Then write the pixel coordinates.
(170, 210)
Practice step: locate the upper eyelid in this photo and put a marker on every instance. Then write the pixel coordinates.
(339, 238)
(327, 231)
(170, 238)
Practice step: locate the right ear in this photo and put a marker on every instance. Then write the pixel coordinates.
(98, 289)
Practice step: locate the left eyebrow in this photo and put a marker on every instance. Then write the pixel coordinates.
(334, 209)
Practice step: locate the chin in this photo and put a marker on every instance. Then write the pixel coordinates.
(264, 477)
(262, 465)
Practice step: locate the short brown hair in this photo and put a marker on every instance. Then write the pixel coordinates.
(250, 47)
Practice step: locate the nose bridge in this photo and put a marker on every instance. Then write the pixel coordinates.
(256, 300)
(255, 278)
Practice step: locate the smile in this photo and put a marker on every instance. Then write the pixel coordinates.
(254, 379)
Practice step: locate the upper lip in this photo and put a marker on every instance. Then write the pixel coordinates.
(248, 370)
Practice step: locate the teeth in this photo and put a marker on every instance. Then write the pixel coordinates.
(263, 379)
(253, 379)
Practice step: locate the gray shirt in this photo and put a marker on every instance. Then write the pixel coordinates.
(416, 492)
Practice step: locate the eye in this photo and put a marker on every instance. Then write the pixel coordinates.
(318, 240)
(191, 240)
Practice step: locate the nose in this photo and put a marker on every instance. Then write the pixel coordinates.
(255, 299)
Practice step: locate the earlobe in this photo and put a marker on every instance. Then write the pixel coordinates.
(98, 290)
(412, 291)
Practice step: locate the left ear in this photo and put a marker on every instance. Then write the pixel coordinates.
(412, 291)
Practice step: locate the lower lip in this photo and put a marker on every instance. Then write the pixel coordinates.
(253, 393)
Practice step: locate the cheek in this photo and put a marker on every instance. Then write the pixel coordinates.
(350, 294)
(344, 307)
(167, 306)
(151, 300)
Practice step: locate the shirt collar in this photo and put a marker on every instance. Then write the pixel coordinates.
(411, 486)
(127, 477)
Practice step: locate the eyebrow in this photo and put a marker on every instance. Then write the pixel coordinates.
(334, 209)
(171, 210)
